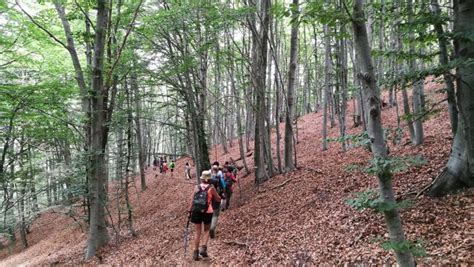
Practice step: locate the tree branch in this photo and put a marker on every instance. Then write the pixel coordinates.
(119, 54)
(41, 27)
(85, 14)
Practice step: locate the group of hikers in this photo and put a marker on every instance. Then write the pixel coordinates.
(210, 196)
(162, 164)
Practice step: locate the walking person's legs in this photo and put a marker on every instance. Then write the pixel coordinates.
(215, 217)
(228, 195)
(197, 237)
(205, 238)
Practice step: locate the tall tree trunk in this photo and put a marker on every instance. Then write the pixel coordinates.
(327, 86)
(316, 72)
(406, 103)
(126, 185)
(459, 171)
(141, 155)
(417, 86)
(267, 144)
(307, 77)
(372, 95)
(21, 210)
(98, 235)
(86, 100)
(443, 60)
(289, 136)
(259, 55)
(380, 67)
(278, 86)
(342, 66)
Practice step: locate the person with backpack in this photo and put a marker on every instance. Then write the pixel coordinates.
(161, 164)
(165, 167)
(229, 179)
(172, 166)
(217, 180)
(201, 213)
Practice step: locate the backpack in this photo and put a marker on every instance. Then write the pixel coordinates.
(222, 182)
(228, 179)
(172, 165)
(218, 182)
(200, 203)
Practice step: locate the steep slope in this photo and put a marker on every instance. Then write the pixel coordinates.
(295, 218)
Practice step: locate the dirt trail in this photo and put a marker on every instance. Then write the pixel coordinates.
(295, 218)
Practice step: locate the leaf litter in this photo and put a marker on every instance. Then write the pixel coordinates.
(298, 218)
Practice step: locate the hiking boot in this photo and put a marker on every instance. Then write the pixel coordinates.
(196, 255)
(203, 252)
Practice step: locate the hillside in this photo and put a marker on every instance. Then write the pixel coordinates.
(295, 218)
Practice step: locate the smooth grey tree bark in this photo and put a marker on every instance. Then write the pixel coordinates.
(327, 86)
(379, 149)
(138, 125)
(444, 60)
(130, 152)
(380, 59)
(258, 78)
(71, 48)
(459, 171)
(98, 235)
(289, 135)
(417, 85)
(278, 91)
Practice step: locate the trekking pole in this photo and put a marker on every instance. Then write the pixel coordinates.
(186, 234)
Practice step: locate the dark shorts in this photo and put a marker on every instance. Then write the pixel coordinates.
(198, 217)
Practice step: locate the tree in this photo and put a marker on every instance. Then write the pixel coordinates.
(443, 60)
(327, 85)
(289, 135)
(459, 170)
(417, 86)
(379, 149)
(138, 125)
(98, 235)
(262, 155)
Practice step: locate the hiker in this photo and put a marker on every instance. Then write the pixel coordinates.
(201, 213)
(155, 163)
(165, 167)
(234, 169)
(229, 179)
(187, 171)
(172, 166)
(161, 164)
(229, 167)
(217, 180)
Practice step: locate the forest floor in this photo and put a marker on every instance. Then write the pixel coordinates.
(294, 218)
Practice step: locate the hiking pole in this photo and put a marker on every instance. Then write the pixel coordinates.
(186, 234)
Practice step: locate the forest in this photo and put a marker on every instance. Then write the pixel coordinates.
(347, 124)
